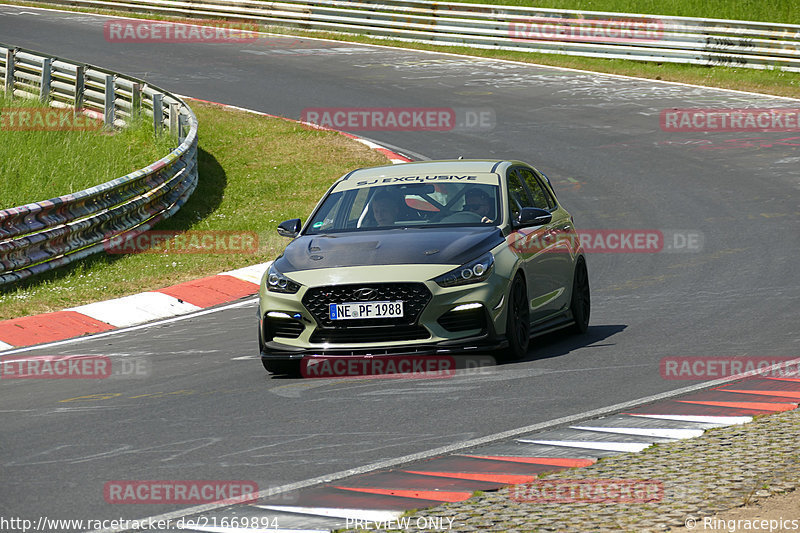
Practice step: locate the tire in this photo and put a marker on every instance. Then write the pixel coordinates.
(518, 322)
(290, 368)
(581, 304)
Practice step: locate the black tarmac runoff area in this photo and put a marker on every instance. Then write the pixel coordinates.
(725, 282)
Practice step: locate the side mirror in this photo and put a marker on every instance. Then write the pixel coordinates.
(289, 228)
(533, 216)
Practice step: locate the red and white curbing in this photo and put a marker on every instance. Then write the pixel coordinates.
(181, 299)
(132, 310)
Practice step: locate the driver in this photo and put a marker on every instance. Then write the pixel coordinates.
(386, 208)
(479, 202)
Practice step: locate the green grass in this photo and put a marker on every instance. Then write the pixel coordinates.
(254, 173)
(786, 11)
(39, 165)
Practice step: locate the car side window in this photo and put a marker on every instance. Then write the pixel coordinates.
(540, 197)
(547, 186)
(517, 195)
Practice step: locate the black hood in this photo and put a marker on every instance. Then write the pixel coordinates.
(453, 245)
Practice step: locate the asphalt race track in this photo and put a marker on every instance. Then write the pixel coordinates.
(207, 410)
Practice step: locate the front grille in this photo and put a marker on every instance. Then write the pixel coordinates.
(415, 296)
(386, 333)
(282, 327)
(463, 320)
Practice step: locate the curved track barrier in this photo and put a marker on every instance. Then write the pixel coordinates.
(689, 40)
(44, 235)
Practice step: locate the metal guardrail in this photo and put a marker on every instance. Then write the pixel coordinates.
(689, 40)
(44, 235)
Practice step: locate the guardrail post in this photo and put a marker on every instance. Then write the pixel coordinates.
(136, 100)
(80, 86)
(47, 76)
(109, 112)
(9, 81)
(158, 112)
(182, 124)
(173, 119)
(90, 217)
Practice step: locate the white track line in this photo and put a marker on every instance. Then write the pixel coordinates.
(336, 512)
(720, 420)
(665, 433)
(593, 445)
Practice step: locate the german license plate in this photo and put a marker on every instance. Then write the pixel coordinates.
(352, 310)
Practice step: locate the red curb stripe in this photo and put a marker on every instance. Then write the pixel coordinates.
(49, 327)
(460, 464)
(439, 496)
(331, 497)
(795, 380)
(761, 384)
(392, 155)
(783, 394)
(553, 461)
(398, 479)
(759, 406)
(210, 291)
(509, 479)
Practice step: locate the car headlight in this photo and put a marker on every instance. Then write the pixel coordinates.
(472, 272)
(277, 282)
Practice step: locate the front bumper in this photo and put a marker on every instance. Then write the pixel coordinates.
(300, 331)
(480, 344)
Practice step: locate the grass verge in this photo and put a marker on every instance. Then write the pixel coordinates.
(786, 11)
(254, 173)
(743, 79)
(39, 165)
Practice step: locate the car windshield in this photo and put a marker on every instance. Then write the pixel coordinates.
(374, 204)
